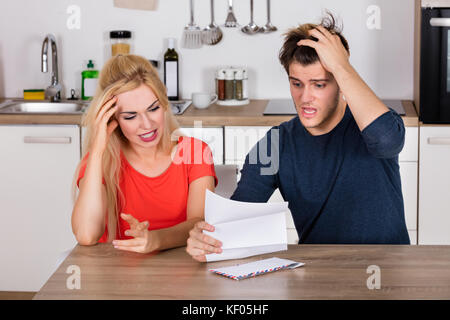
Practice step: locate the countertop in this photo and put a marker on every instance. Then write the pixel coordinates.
(214, 116)
(330, 272)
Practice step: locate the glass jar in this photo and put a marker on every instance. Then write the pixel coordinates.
(229, 84)
(220, 84)
(120, 42)
(245, 84)
(238, 88)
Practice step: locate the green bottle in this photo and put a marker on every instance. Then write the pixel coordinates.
(89, 80)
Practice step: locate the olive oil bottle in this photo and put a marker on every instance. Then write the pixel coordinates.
(171, 71)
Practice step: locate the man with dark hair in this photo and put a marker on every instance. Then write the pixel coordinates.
(338, 159)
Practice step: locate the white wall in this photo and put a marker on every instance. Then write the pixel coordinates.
(383, 57)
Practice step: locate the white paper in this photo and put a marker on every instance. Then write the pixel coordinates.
(245, 229)
(251, 269)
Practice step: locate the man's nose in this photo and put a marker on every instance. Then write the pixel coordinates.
(307, 95)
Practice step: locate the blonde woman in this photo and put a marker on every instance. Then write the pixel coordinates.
(140, 186)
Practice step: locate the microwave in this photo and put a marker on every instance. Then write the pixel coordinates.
(435, 64)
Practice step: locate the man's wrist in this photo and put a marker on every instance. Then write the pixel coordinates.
(343, 71)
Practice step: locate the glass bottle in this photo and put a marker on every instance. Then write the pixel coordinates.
(89, 80)
(171, 71)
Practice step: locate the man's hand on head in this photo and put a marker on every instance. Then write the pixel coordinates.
(329, 48)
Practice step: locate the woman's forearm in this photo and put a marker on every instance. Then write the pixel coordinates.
(175, 236)
(88, 215)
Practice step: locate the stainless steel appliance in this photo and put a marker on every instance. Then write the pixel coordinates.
(286, 107)
(435, 62)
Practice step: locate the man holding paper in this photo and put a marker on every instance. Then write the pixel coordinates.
(338, 159)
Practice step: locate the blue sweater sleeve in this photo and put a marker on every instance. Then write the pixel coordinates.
(259, 175)
(385, 136)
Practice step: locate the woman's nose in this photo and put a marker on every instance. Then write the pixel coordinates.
(146, 122)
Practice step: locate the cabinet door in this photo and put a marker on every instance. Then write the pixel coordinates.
(240, 140)
(434, 186)
(408, 174)
(83, 136)
(410, 150)
(412, 236)
(37, 164)
(212, 136)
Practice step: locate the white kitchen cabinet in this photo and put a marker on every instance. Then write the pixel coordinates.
(212, 136)
(408, 174)
(408, 162)
(434, 186)
(239, 141)
(410, 151)
(37, 164)
(412, 237)
(83, 135)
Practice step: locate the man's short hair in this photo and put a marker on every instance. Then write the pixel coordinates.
(291, 52)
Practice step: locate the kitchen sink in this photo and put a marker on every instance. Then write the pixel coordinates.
(41, 107)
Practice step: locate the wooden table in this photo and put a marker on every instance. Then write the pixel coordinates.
(330, 272)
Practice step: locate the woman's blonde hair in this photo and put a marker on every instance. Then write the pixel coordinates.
(120, 74)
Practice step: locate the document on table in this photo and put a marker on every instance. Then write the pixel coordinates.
(245, 229)
(256, 268)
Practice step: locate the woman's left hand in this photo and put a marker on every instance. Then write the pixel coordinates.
(144, 240)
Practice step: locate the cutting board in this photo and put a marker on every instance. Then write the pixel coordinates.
(137, 4)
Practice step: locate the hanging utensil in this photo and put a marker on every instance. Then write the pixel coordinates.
(192, 35)
(212, 33)
(251, 28)
(268, 27)
(231, 21)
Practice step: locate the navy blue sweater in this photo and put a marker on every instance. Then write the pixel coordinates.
(343, 187)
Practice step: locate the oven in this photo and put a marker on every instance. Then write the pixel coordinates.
(435, 64)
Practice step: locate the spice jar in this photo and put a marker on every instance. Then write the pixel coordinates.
(220, 84)
(238, 88)
(229, 84)
(244, 85)
(120, 42)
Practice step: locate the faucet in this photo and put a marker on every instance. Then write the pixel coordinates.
(54, 90)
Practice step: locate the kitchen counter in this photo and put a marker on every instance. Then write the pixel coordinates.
(330, 272)
(214, 116)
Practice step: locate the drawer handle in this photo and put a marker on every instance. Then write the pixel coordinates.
(439, 141)
(440, 22)
(54, 140)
